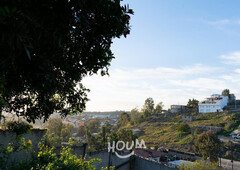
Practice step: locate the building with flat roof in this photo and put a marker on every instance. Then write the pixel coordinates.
(215, 103)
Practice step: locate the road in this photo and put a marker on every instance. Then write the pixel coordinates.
(227, 164)
(226, 139)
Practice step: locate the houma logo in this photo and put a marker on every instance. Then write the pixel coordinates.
(121, 145)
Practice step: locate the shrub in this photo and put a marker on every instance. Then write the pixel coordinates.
(19, 127)
(47, 159)
(199, 131)
(199, 165)
(184, 128)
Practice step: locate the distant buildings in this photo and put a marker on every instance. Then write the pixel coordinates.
(182, 109)
(215, 103)
(177, 108)
(151, 154)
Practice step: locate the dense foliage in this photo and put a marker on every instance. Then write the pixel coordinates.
(226, 92)
(19, 127)
(47, 159)
(200, 165)
(193, 103)
(48, 46)
(58, 131)
(208, 146)
(148, 107)
(184, 128)
(124, 119)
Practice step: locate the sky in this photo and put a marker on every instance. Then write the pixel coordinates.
(177, 50)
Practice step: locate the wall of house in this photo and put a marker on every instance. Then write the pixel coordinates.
(209, 108)
(223, 102)
(145, 164)
(213, 107)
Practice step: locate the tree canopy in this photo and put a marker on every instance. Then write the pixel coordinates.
(48, 46)
(159, 107)
(193, 103)
(226, 92)
(208, 145)
(148, 107)
(124, 119)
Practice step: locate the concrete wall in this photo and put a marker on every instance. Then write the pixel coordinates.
(104, 156)
(77, 149)
(187, 118)
(138, 163)
(7, 137)
(184, 155)
(146, 164)
(207, 128)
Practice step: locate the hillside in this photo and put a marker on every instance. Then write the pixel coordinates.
(161, 131)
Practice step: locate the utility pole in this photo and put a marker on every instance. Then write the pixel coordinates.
(231, 145)
(235, 104)
(104, 137)
(0, 115)
(220, 159)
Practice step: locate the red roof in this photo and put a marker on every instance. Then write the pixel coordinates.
(81, 124)
(149, 153)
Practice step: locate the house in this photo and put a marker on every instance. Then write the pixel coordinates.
(151, 154)
(182, 109)
(177, 108)
(215, 103)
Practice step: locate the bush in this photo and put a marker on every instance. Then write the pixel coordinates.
(199, 131)
(232, 123)
(184, 128)
(199, 165)
(47, 159)
(19, 127)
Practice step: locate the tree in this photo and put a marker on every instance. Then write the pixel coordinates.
(135, 116)
(81, 131)
(93, 125)
(226, 92)
(126, 135)
(148, 107)
(158, 108)
(193, 103)
(54, 126)
(58, 131)
(124, 119)
(208, 145)
(47, 48)
(67, 131)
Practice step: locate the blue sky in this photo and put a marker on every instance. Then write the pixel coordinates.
(177, 49)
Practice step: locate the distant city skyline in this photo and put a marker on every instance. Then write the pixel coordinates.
(177, 50)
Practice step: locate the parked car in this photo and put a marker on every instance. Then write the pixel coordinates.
(236, 136)
(162, 149)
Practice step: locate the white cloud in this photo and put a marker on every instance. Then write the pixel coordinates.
(220, 22)
(128, 88)
(232, 59)
(223, 22)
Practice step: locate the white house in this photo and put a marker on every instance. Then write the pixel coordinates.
(215, 103)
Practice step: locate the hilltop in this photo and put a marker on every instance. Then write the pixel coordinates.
(162, 131)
